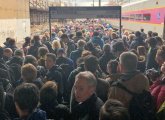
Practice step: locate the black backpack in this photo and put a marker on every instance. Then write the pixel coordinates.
(141, 106)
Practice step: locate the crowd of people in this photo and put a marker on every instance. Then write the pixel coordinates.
(83, 71)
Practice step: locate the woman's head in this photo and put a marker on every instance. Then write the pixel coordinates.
(56, 44)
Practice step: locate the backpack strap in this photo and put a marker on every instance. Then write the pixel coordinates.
(120, 85)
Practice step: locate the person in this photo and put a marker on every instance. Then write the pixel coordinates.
(33, 49)
(113, 71)
(96, 40)
(55, 46)
(7, 107)
(118, 48)
(107, 55)
(158, 88)
(102, 87)
(139, 41)
(143, 35)
(41, 71)
(79, 36)
(49, 103)
(113, 110)
(26, 44)
(160, 55)
(85, 104)
(42, 51)
(67, 44)
(62, 59)
(151, 62)
(26, 98)
(93, 49)
(7, 54)
(54, 74)
(29, 75)
(74, 55)
(12, 44)
(131, 78)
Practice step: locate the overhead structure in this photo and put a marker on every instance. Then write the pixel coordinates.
(38, 11)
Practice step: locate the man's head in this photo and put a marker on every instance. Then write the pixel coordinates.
(7, 52)
(65, 38)
(26, 98)
(61, 52)
(117, 48)
(42, 51)
(81, 44)
(29, 73)
(91, 63)
(152, 42)
(50, 60)
(128, 62)
(114, 110)
(137, 33)
(30, 59)
(48, 93)
(19, 53)
(84, 86)
(107, 48)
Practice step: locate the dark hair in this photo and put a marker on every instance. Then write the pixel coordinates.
(26, 96)
(114, 110)
(107, 48)
(48, 93)
(42, 51)
(161, 52)
(114, 64)
(18, 52)
(30, 59)
(137, 33)
(154, 34)
(51, 56)
(36, 38)
(118, 46)
(27, 39)
(63, 36)
(152, 42)
(159, 40)
(142, 30)
(11, 41)
(29, 72)
(79, 34)
(96, 33)
(91, 63)
(150, 33)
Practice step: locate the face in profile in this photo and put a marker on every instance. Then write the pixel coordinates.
(82, 90)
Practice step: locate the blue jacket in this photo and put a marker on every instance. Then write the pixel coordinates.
(98, 41)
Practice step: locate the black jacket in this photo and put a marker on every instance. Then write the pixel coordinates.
(56, 111)
(54, 74)
(88, 110)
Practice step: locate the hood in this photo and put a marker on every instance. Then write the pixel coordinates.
(38, 115)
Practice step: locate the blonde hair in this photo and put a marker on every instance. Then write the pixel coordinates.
(60, 34)
(56, 44)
